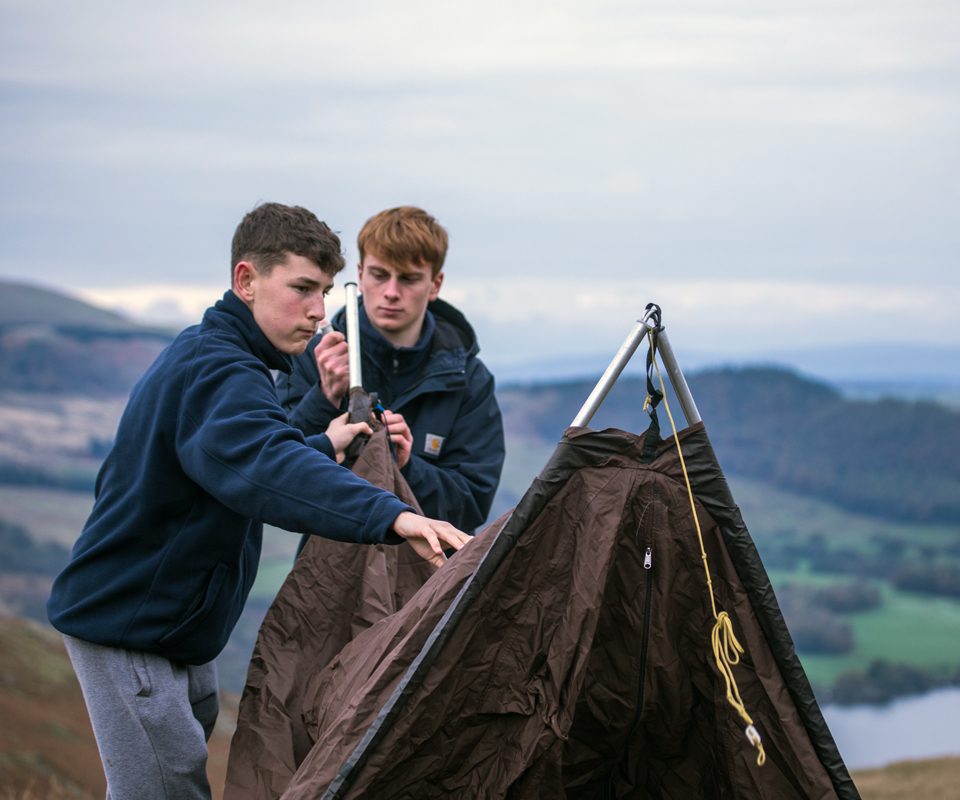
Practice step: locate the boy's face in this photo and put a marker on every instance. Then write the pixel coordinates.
(395, 298)
(287, 303)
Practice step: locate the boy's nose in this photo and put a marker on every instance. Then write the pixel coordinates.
(317, 311)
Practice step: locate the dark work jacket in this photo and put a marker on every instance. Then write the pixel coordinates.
(204, 455)
(446, 396)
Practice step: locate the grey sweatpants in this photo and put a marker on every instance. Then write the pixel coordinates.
(151, 718)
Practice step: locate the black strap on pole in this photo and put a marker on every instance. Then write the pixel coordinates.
(652, 437)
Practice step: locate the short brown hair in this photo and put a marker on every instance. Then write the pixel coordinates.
(271, 231)
(405, 235)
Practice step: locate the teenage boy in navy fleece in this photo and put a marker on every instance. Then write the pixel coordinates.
(204, 455)
(419, 354)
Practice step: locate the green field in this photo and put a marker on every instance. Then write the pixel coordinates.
(907, 628)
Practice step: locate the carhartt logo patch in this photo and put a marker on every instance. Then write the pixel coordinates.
(433, 444)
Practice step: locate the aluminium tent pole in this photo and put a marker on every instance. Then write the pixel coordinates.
(620, 360)
(612, 372)
(360, 404)
(353, 335)
(677, 380)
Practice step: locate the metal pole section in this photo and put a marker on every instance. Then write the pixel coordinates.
(677, 380)
(609, 377)
(353, 336)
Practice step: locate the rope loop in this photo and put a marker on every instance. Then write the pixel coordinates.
(725, 642)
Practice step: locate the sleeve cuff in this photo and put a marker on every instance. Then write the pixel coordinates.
(321, 442)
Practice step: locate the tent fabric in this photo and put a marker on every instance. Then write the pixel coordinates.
(334, 591)
(565, 652)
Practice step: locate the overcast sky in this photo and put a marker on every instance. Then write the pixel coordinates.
(773, 174)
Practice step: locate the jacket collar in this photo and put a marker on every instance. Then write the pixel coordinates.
(403, 359)
(232, 314)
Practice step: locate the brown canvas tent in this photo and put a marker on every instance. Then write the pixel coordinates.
(566, 652)
(335, 591)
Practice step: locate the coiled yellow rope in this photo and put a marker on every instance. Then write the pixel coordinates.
(726, 649)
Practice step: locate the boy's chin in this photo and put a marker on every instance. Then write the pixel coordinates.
(292, 348)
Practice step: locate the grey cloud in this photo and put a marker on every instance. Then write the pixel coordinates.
(557, 140)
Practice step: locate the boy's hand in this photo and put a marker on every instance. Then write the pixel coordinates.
(341, 433)
(333, 366)
(400, 435)
(428, 537)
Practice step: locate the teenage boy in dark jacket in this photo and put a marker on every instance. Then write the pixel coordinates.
(419, 354)
(204, 454)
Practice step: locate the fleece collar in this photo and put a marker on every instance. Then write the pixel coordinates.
(230, 313)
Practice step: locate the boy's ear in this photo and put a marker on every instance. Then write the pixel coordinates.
(244, 280)
(435, 289)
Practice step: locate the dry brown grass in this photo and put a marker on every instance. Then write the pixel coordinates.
(47, 749)
(933, 779)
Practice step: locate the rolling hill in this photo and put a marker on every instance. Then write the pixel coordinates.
(56, 344)
(891, 458)
(25, 304)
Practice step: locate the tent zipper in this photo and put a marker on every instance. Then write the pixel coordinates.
(608, 791)
(645, 640)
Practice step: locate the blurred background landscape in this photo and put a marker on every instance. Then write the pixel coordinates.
(852, 496)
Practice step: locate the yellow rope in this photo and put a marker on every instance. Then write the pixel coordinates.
(726, 649)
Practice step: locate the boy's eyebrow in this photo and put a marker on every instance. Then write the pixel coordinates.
(401, 271)
(310, 282)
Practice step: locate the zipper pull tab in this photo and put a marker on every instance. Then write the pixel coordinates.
(648, 558)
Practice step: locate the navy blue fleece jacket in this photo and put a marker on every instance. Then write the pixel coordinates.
(446, 396)
(204, 455)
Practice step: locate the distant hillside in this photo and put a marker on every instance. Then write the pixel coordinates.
(890, 458)
(874, 368)
(26, 304)
(53, 343)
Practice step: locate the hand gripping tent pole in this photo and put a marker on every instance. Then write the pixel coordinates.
(360, 403)
(622, 358)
